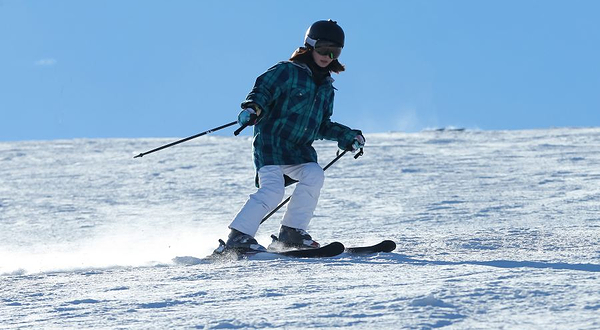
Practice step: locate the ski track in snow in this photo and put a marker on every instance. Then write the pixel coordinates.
(495, 229)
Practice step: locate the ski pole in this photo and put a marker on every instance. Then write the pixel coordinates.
(186, 139)
(360, 153)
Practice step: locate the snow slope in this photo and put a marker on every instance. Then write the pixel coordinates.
(494, 229)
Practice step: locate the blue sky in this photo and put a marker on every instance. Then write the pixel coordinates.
(87, 69)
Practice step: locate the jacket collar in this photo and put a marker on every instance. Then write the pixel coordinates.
(307, 68)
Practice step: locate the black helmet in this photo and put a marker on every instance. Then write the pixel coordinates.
(324, 30)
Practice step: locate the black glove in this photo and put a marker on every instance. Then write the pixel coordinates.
(357, 143)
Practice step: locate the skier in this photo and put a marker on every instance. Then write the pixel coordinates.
(290, 107)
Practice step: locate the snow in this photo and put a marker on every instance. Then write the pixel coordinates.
(495, 229)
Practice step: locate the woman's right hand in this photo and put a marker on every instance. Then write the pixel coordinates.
(247, 117)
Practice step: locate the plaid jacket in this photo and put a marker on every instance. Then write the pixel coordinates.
(294, 113)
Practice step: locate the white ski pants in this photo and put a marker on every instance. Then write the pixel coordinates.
(301, 207)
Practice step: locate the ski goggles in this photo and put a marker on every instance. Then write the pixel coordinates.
(328, 48)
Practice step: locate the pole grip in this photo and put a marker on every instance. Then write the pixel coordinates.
(250, 122)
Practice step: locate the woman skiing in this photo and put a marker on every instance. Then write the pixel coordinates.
(290, 107)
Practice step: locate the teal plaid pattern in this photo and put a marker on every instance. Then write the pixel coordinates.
(294, 113)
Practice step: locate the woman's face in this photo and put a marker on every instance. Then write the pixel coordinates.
(321, 60)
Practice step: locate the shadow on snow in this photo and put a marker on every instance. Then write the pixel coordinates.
(502, 264)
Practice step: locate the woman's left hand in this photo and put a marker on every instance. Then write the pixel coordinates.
(358, 143)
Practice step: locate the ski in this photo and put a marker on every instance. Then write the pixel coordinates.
(327, 251)
(383, 246)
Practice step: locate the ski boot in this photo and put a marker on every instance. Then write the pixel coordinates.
(239, 243)
(292, 238)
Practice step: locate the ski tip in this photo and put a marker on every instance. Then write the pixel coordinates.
(337, 246)
(388, 246)
(329, 250)
(383, 246)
